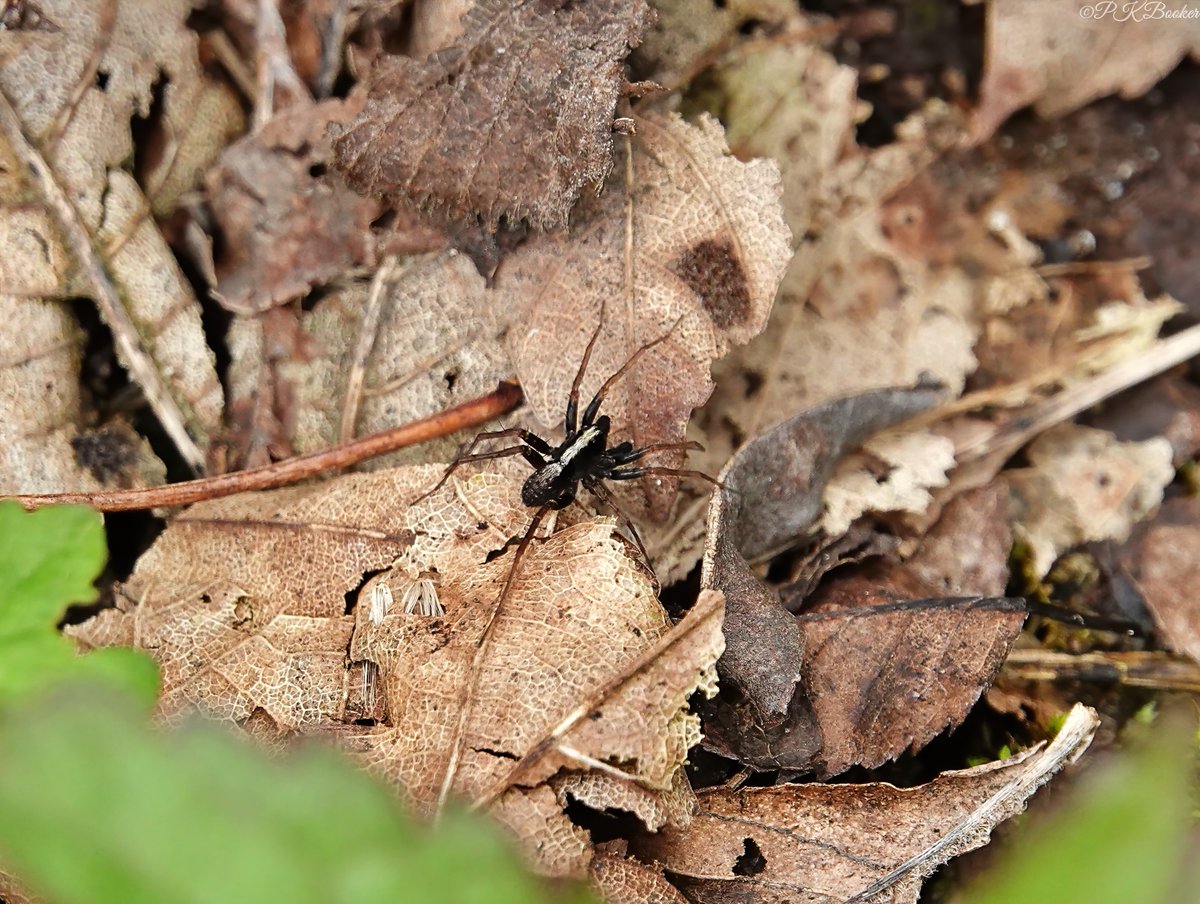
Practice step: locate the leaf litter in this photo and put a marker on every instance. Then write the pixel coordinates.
(853, 603)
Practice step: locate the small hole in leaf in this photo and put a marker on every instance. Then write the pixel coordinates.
(317, 170)
(451, 377)
(752, 862)
(101, 80)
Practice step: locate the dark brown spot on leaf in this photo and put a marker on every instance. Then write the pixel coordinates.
(713, 271)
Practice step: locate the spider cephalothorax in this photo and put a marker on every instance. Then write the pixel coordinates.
(584, 456)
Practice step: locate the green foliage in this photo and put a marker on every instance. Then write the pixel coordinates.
(48, 561)
(1123, 838)
(99, 807)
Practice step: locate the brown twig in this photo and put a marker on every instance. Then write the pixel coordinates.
(500, 401)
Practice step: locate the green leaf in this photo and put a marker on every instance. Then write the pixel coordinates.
(1123, 838)
(49, 560)
(101, 808)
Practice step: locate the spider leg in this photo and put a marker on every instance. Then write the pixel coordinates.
(600, 491)
(635, 473)
(573, 398)
(589, 413)
(533, 450)
(634, 454)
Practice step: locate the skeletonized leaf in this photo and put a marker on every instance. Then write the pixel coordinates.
(285, 611)
(69, 208)
(685, 239)
(623, 880)
(821, 844)
(243, 600)
(514, 119)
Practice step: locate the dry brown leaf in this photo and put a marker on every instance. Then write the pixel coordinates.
(73, 221)
(830, 844)
(895, 653)
(432, 344)
(244, 602)
(1061, 56)
(515, 119)
(45, 445)
(1168, 407)
(855, 291)
(1081, 485)
(888, 670)
(284, 224)
(1163, 563)
(623, 880)
(684, 236)
(771, 497)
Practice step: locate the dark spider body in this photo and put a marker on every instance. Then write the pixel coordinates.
(584, 456)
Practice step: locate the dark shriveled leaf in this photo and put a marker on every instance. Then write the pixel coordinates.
(286, 224)
(512, 120)
(771, 496)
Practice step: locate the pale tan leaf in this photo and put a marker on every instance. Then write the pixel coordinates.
(899, 470)
(1081, 485)
(45, 445)
(1060, 56)
(683, 236)
(821, 844)
(69, 93)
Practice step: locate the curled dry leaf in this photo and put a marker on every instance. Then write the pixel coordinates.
(684, 240)
(829, 844)
(1081, 485)
(1162, 561)
(75, 222)
(45, 446)
(285, 224)
(1062, 56)
(244, 603)
(771, 497)
(514, 119)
